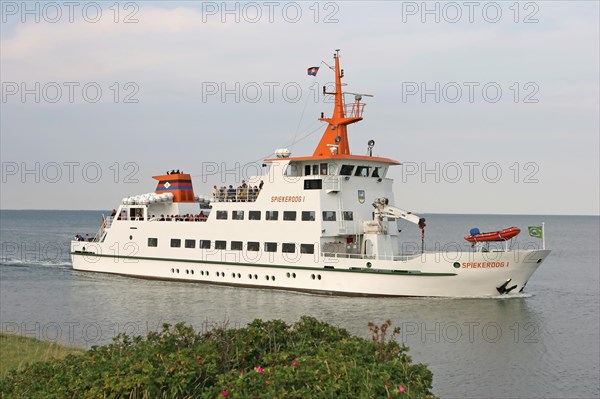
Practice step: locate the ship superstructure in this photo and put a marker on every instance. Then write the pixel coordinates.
(324, 223)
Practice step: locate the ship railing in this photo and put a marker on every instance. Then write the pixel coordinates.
(239, 194)
(108, 221)
(98, 235)
(179, 218)
(343, 255)
(354, 110)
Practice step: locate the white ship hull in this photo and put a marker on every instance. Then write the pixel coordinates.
(478, 274)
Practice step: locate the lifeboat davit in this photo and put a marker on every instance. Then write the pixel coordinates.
(501, 235)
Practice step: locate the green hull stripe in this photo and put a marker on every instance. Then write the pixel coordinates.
(365, 270)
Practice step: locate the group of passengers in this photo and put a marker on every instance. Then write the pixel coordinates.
(79, 237)
(243, 193)
(189, 217)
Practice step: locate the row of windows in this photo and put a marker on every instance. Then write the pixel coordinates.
(239, 275)
(254, 246)
(345, 170)
(307, 216)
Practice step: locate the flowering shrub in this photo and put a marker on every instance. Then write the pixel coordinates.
(309, 359)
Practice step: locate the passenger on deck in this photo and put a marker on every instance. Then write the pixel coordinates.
(260, 186)
(241, 194)
(215, 193)
(231, 194)
(114, 213)
(202, 216)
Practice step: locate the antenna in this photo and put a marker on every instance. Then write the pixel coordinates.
(359, 94)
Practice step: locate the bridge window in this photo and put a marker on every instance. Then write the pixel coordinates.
(270, 247)
(289, 215)
(377, 172)
(362, 171)
(236, 245)
(324, 169)
(222, 215)
(329, 216)
(205, 244)
(315, 169)
(253, 246)
(348, 215)
(152, 242)
(307, 248)
(190, 243)
(175, 243)
(289, 248)
(220, 244)
(272, 215)
(308, 216)
(254, 215)
(346, 170)
(237, 215)
(315, 184)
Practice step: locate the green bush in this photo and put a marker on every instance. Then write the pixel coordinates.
(309, 359)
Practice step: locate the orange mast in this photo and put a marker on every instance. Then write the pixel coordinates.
(335, 138)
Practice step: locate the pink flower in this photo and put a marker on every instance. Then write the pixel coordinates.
(294, 363)
(401, 389)
(259, 370)
(225, 394)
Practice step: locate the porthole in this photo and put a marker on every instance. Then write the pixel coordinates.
(187, 271)
(312, 276)
(207, 273)
(294, 275)
(250, 276)
(218, 274)
(177, 270)
(239, 275)
(288, 275)
(273, 278)
(131, 237)
(256, 277)
(233, 275)
(319, 277)
(172, 270)
(267, 277)
(202, 272)
(192, 272)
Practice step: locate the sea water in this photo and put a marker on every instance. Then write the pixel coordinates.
(542, 344)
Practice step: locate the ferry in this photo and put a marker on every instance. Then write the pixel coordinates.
(324, 224)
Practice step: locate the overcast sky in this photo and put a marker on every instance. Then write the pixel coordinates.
(492, 107)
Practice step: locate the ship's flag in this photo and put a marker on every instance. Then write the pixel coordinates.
(536, 231)
(312, 71)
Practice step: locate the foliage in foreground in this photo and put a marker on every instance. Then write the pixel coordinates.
(309, 359)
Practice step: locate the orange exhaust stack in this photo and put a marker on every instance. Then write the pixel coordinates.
(180, 184)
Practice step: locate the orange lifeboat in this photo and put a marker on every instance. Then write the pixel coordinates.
(501, 235)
